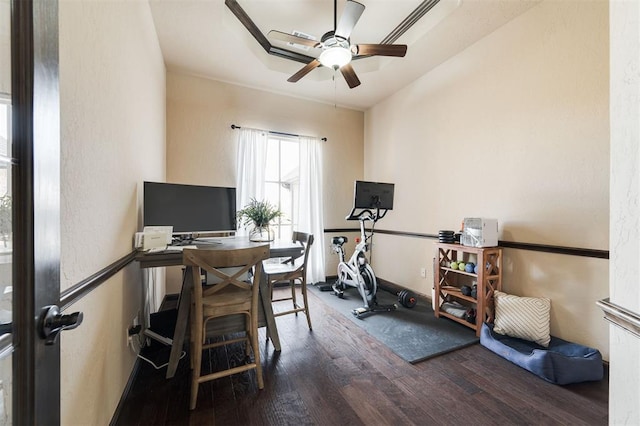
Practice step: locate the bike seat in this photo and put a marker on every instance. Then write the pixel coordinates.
(338, 241)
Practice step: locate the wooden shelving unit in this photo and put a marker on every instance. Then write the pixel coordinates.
(448, 281)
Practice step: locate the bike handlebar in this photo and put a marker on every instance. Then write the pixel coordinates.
(370, 215)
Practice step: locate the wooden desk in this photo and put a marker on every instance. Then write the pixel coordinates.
(174, 258)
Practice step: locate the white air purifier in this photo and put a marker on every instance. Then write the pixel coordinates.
(479, 232)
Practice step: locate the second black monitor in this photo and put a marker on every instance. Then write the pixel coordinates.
(373, 195)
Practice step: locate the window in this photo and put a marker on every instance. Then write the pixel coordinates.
(286, 171)
(5, 174)
(282, 182)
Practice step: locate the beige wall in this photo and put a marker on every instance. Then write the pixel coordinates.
(201, 144)
(624, 408)
(112, 98)
(516, 128)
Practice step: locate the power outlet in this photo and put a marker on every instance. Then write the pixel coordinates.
(131, 332)
(133, 329)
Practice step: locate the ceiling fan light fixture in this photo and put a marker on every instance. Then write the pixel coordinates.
(335, 57)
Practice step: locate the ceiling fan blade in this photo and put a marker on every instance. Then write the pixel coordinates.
(350, 76)
(350, 15)
(304, 71)
(380, 49)
(290, 38)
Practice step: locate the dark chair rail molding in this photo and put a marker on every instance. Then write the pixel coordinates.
(622, 317)
(71, 295)
(571, 251)
(78, 291)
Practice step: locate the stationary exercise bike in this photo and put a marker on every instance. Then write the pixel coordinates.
(356, 272)
(371, 203)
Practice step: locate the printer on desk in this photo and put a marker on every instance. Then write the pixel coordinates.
(153, 237)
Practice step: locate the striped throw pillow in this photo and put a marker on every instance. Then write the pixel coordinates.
(526, 318)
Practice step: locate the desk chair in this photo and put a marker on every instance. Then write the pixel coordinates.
(290, 270)
(230, 296)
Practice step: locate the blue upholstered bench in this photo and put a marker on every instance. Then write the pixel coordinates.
(561, 363)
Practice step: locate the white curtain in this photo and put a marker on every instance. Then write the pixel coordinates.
(310, 209)
(250, 175)
(250, 167)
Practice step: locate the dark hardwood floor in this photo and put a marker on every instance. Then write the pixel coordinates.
(339, 375)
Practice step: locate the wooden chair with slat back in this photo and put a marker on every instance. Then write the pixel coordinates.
(230, 296)
(292, 270)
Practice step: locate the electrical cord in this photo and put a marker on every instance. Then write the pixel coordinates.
(139, 355)
(370, 239)
(158, 367)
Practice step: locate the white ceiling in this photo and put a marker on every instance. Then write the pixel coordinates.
(203, 38)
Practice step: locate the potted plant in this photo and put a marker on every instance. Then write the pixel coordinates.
(260, 214)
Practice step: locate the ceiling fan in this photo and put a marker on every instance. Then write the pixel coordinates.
(336, 50)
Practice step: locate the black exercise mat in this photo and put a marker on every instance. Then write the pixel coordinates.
(413, 334)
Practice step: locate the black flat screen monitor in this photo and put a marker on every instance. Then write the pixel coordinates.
(190, 208)
(373, 195)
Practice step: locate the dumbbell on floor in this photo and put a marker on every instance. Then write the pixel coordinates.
(407, 299)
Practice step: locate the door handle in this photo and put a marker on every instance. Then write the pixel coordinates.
(52, 322)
